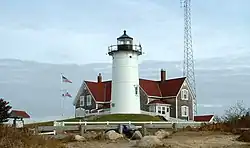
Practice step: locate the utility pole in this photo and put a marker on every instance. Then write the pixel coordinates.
(188, 64)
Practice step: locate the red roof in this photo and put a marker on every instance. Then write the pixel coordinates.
(150, 87)
(18, 114)
(102, 91)
(203, 118)
(171, 87)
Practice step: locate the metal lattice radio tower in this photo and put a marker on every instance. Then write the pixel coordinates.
(188, 64)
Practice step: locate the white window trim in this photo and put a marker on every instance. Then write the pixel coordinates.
(184, 107)
(161, 108)
(82, 99)
(89, 100)
(183, 91)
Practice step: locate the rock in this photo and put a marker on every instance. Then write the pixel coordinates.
(91, 135)
(189, 128)
(244, 137)
(113, 135)
(161, 134)
(149, 142)
(136, 135)
(79, 138)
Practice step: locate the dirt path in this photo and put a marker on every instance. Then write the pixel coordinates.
(204, 140)
(178, 140)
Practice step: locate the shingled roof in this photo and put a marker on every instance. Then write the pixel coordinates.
(102, 91)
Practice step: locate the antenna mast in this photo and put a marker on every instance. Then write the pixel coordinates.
(188, 64)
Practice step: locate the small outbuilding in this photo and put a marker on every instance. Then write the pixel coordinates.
(204, 118)
(18, 115)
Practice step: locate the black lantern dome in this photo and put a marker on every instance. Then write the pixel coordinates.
(125, 43)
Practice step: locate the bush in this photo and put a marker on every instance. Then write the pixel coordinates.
(4, 111)
(234, 113)
(22, 138)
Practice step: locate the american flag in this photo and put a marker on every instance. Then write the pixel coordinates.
(67, 94)
(66, 80)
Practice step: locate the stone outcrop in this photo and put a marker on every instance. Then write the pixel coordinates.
(113, 135)
(161, 134)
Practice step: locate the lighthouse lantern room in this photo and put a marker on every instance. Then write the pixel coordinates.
(125, 93)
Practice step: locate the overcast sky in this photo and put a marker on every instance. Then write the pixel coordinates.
(79, 31)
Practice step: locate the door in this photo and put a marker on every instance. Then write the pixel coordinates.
(167, 111)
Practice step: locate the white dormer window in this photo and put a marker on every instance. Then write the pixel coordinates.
(89, 99)
(184, 111)
(184, 94)
(81, 101)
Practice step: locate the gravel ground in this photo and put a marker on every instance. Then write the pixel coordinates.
(178, 140)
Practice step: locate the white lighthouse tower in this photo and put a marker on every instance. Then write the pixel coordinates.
(125, 93)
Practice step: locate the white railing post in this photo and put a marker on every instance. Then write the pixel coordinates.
(55, 123)
(129, 122)
(107, 122)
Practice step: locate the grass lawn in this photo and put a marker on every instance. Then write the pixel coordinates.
(126, 117)
(111, 117)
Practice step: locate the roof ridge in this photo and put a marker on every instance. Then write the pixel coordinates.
(139, 79)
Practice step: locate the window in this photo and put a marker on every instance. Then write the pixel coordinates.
(184, 94)
(159, 109)
(81, 100)
(163, 111)
(113, 104)
(167, 109)
(184, 111)
(89, 100)
(136, 89)
(121, 42)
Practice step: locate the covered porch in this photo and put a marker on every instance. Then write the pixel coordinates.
(160, 107)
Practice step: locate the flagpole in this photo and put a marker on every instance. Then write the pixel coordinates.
(63, 98)
(62, 91)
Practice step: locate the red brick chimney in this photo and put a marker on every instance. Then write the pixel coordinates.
(99, 78)
(163, 75)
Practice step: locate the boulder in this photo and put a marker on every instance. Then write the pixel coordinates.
(79, 138)
(244, 137)
(90, 135)
(113, 135)
(149, 142)
(161, 134)
(136, 135)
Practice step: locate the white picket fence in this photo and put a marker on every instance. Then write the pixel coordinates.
(186, 123)
(179, 124)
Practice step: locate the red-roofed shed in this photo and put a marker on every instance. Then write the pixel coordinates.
(204, 118)
(18, 115)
